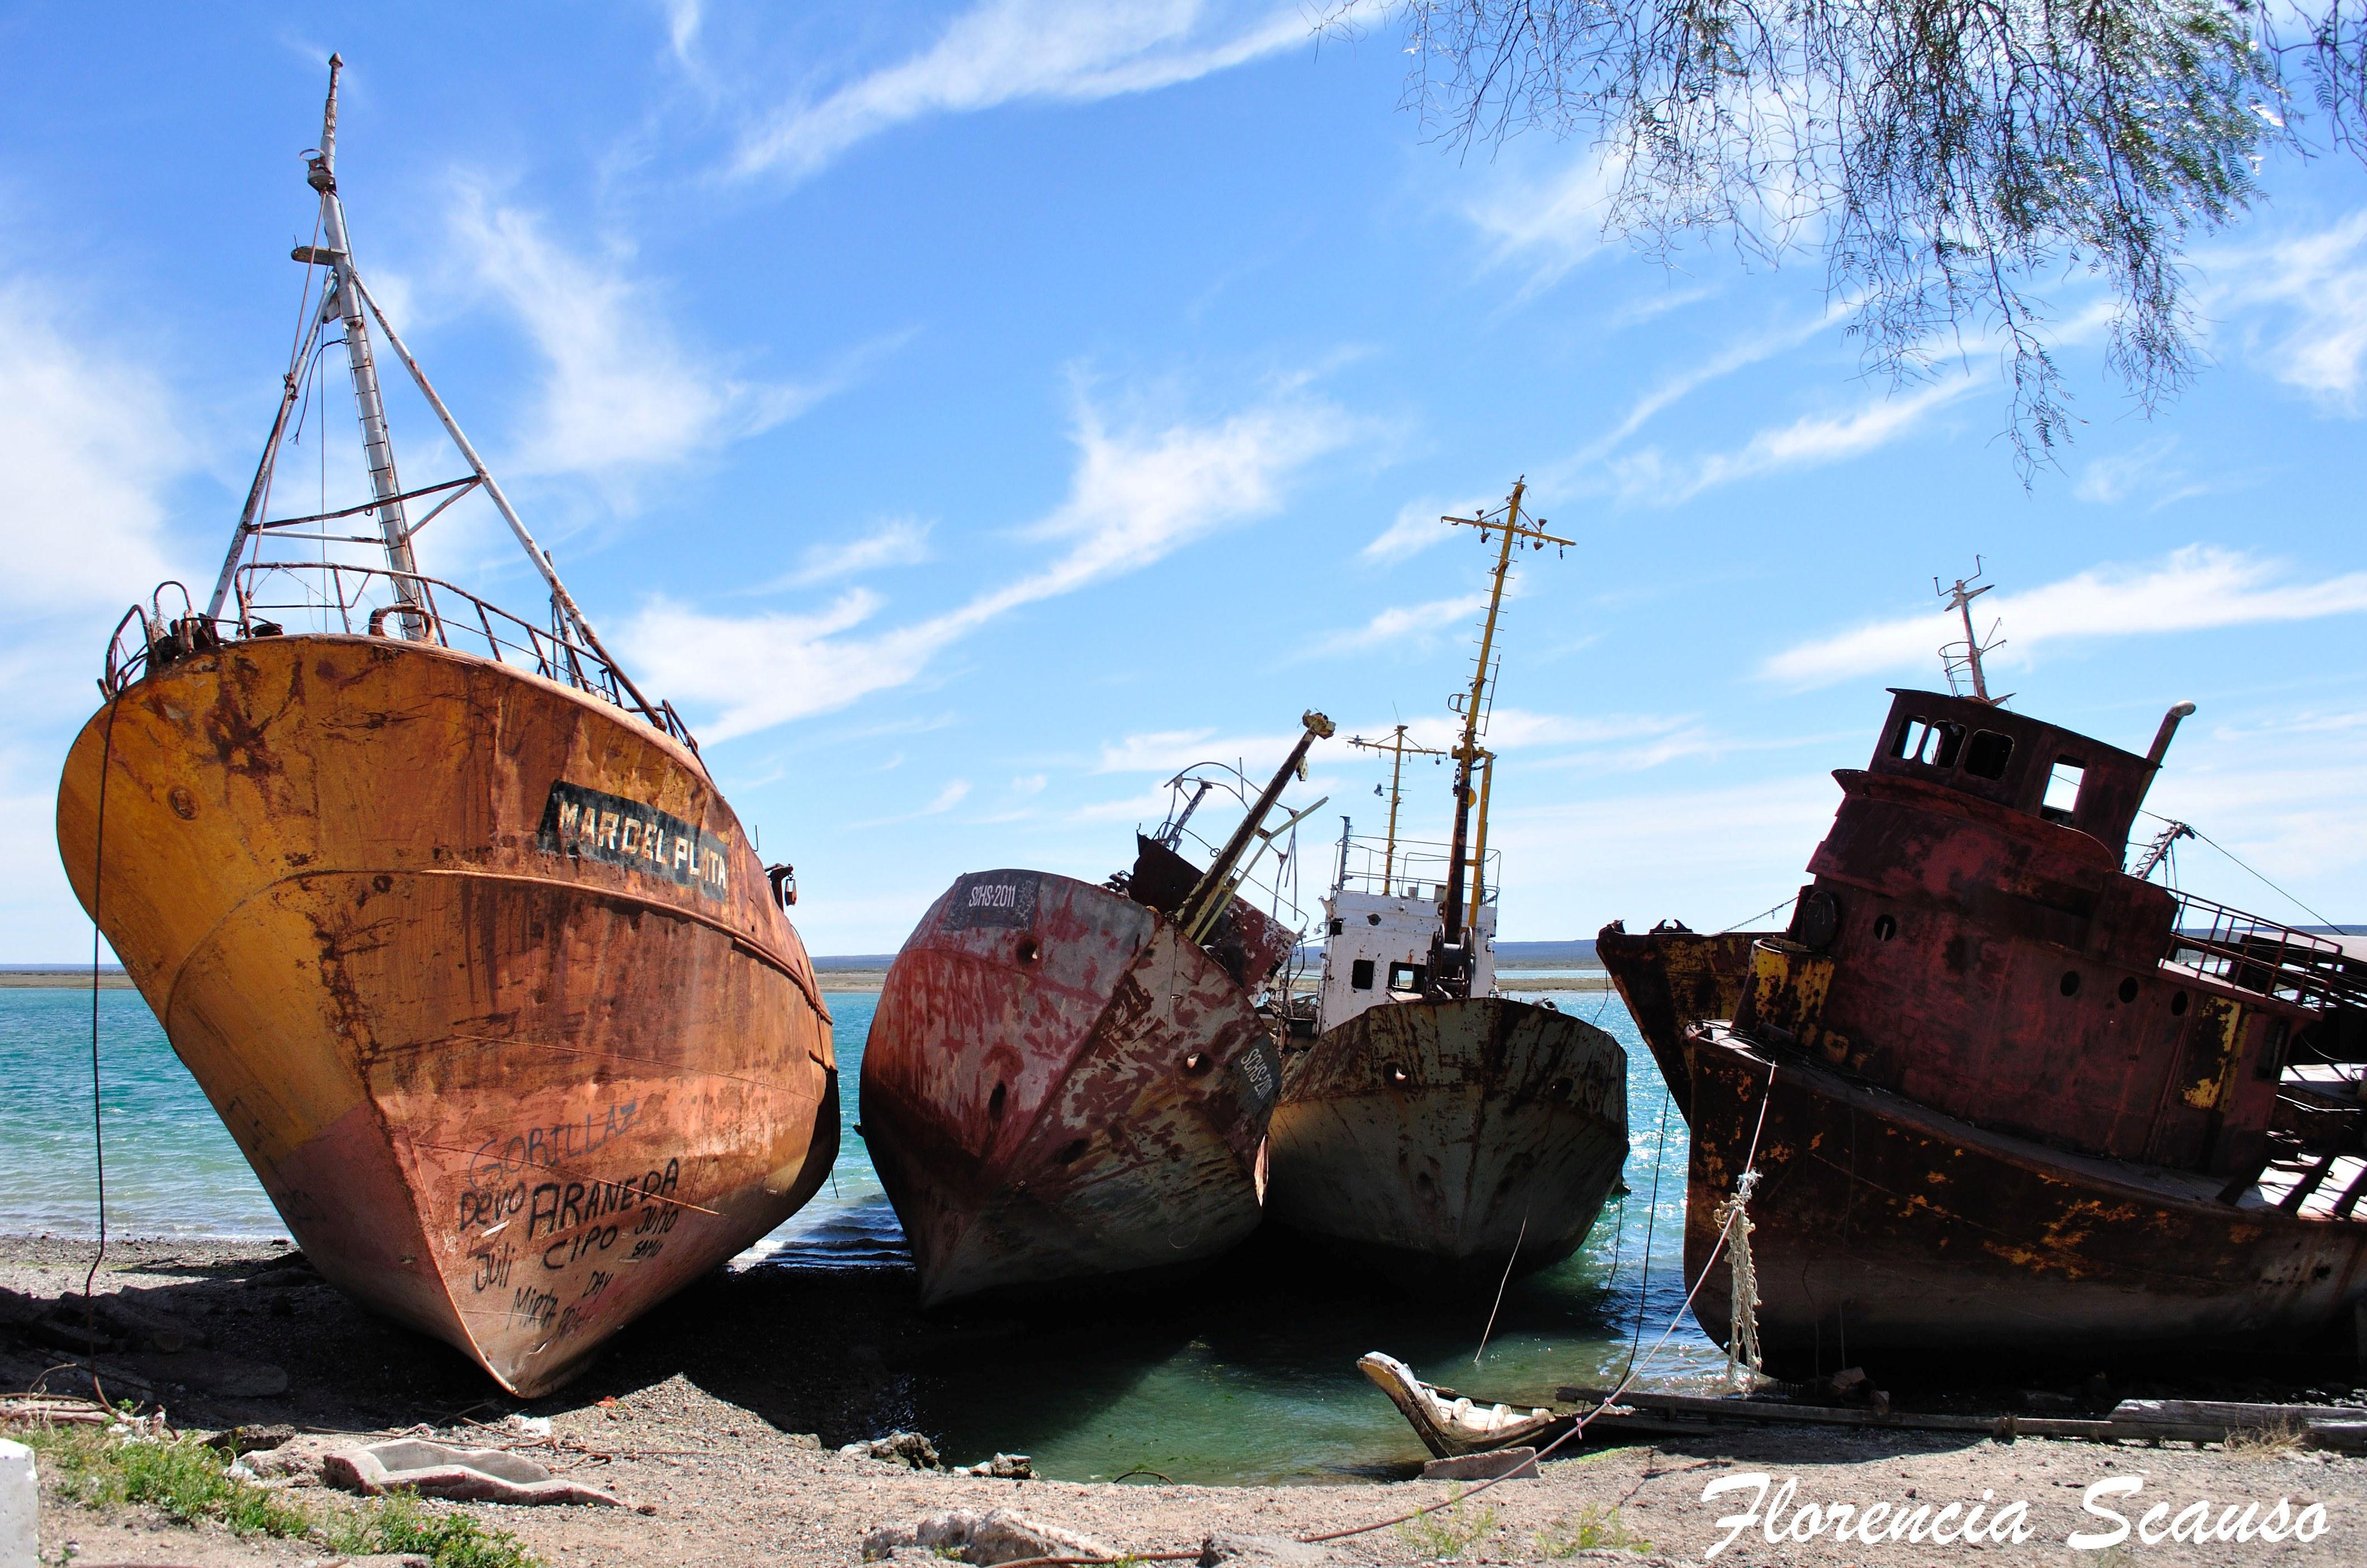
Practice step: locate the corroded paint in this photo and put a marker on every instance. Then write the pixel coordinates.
(1669, 979)
(510, 1084)
(1452, 1136)
(1971, 988)
(1058, 1086)
(2023, 1246)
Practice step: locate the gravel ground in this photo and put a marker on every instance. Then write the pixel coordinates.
(719, 1415)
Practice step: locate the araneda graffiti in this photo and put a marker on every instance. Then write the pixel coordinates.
(1774, 1508)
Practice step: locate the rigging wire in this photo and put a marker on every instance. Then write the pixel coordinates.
(1760, 916)
(2271, 885)
(1651, 1218)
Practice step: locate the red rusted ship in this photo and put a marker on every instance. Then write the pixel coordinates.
(450, 923)
(1066, 1081)
(2003, 1093)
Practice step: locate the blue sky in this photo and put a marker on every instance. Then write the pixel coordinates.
(967, 415)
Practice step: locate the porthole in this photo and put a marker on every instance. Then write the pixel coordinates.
(2129, 989)
(994, 1102)
(1198, 1062)
(2070, 985)
(1884, 928)
(1396, 1075)
(1071, 1155)
(1028, 952)
(1558, 1089)
(2178, 1004)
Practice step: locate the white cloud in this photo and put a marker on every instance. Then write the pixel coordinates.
(899, 542)
(2196, 588)
(951, 796)
(622, 392)
(2317, 284)
(1809, 441)
(90, 444)
(1420, 525)
(1554, 222)
(1002, 52)
(1419, 625)
(1136, 496)
(2144, 473)
(1169, 752)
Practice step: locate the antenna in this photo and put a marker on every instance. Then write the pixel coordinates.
(1451, 956)
(1396, 746)
(1962, 660)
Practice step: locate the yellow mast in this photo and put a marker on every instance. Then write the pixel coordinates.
(1474, 703)
(1479, 843)
(1396, 746)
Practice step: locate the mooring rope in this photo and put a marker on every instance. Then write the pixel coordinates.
(97, 1107)
(1204, 1552)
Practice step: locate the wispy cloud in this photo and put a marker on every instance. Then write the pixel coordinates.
(1418, 626)
(89, 447)
(1167, 752)
(1549, 221)
(899, 541)
(1418, 526)
(1139, 492)
(621, 389)
(951, 796)
(1651, 479)
(2194, 588)
(2145, 474)
(1002, 52)
(2315, 285)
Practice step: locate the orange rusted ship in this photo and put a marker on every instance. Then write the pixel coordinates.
(2002, 1094)
(450, 923)
(1068, 1082)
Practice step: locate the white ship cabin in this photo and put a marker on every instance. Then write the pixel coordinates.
(1380, 920)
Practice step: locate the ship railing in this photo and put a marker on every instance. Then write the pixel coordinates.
(1416, 870)
(2265, 956)
(370, 601)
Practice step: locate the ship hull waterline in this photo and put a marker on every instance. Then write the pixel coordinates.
(479, 971)
(1882, 1226)
(1448, 1142)
(1057, 1087)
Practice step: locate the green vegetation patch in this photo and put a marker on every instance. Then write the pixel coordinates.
(1446, 1534)
(190, 1484)
(1592, 1527)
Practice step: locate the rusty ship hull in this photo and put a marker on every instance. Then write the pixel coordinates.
(2003, 1094)
(1449, 1141)
(1882, 1225)
(478, 969)
(1058, 1086)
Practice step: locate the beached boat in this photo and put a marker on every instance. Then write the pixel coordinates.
(2003, 1094)
(1446, 1134)
(1066, 1082)
(448, 920)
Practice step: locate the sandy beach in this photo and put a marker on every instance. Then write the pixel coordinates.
(721, 1411)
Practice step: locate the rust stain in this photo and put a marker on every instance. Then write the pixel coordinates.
(495, 1093)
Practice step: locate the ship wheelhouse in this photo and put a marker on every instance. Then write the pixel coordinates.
(1971, 942)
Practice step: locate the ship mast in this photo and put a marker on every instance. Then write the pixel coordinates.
(1451, 948)
(1396, 746)
(1964, 659)
(345, 300)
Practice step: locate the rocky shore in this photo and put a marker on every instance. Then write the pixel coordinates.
(717, 1421)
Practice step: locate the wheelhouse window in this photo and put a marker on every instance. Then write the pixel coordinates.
(1408, 976)
(1989, 752)
(1934, 745)
(2063, 790)
(1360, 975)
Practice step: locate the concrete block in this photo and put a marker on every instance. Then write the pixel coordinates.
(20, 1507)
(1510, 1464)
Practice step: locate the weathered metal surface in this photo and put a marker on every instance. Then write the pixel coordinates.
(478, 970)
(1881, 1225)
(2007, 1109)
(1452, 1138)
(1671, 978)
(1056, 1086)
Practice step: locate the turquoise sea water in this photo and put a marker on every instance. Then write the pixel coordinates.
(1247, 1375)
